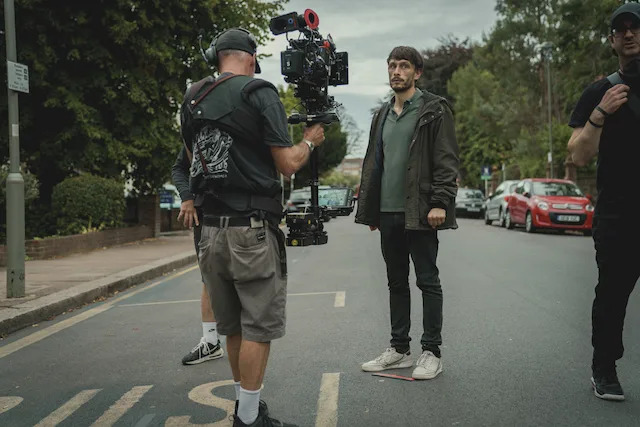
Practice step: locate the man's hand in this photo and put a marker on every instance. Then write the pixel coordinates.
(372, 228)
(436, 217)
(614, 98)
(315, 134)
(188, 214)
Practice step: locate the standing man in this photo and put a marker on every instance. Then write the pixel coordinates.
(209, 346)
(236, 129)
(606, 123)
(407, 191)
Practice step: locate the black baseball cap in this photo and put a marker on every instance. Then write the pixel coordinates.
(238, 39)
(632, 8)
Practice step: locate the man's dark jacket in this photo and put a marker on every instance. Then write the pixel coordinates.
(432, 167)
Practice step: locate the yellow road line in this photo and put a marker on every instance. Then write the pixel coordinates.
(327, 414)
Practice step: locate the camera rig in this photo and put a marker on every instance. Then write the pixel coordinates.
(311, 64)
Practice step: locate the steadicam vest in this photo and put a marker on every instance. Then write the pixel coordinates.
(224, 134)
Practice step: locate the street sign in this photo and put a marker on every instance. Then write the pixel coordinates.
(18, 77)
(166, 197)
(486, 173)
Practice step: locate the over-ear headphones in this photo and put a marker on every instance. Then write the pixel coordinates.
(211, 54)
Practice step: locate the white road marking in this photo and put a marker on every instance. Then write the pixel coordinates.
(63, 412)
(327, 414)
(9, 402)
(118, 409)
(340, 299)
(46, 332)
(203, 394)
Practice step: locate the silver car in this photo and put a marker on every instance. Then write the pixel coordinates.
(496, 204)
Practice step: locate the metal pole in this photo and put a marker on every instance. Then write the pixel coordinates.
(548, 55)
(15, 182)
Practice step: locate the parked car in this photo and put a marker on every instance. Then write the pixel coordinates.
(469, 203)
(299, 200)
(549, 203)
(496, 204)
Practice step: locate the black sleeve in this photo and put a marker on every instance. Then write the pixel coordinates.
(590, 98)
(180, 175)
(276, 132)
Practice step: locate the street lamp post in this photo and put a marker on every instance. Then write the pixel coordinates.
(15, 181)
(546, 52)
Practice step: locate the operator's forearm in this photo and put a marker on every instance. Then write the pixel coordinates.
(296, 157)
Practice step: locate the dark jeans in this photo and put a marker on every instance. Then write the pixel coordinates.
(397, 245)
(616, 244)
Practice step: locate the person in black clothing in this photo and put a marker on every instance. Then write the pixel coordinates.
(606, 123)
(209, 346)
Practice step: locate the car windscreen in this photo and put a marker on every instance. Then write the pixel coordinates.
(470, 194)
(300, 196)
(556, 189)
(333, 197)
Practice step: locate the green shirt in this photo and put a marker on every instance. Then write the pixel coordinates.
(397, 134)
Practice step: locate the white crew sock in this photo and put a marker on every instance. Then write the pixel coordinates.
(249, 405)
(237, 386)
(210, 332)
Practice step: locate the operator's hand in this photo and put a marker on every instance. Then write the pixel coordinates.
(614, 98)
(436, 217)
(315, 134)
(188, 214)
(373, 228)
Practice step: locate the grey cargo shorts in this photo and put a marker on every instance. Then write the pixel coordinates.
(241, 268)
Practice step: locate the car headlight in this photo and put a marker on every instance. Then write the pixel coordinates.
(543, 205)
(589, 208)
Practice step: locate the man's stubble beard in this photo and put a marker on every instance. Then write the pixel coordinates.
(401, 89)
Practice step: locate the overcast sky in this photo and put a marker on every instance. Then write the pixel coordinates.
(369, 29)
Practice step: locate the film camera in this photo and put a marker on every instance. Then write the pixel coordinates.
(312, 64)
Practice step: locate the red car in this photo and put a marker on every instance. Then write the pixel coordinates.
(549, 203)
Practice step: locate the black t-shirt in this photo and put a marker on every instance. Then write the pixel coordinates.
(618, 155)
(250, 163)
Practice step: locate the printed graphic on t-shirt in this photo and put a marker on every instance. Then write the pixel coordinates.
(211, 153)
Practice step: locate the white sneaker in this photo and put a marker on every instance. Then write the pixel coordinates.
(390, 359)
(428, 366)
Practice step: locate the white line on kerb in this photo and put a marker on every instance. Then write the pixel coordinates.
(46, 332)
(63, 412)
(327, 414)
(118, 409)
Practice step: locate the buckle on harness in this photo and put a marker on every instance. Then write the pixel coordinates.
(257, 223)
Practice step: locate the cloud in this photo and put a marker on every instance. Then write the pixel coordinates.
(368, 30)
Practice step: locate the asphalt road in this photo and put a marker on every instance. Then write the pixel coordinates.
(516, 333)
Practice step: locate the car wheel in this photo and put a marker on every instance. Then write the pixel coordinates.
(501, 218)
(528, 223)
(486, 217)
(507, 221)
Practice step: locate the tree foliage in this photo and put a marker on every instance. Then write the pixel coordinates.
(501, 96)
(107, 79)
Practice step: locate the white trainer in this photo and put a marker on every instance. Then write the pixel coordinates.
(428, 366)
(390, 359)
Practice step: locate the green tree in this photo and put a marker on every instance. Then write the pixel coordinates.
(441, 62)
(107, 80)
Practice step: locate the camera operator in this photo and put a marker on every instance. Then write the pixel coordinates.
(235, 128)
(606, 122)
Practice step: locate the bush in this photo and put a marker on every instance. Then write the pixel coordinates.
(87, 203)
(337, 179)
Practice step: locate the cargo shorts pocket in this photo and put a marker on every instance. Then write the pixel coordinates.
(251, 254)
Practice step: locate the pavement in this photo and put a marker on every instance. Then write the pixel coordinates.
(55, 286)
